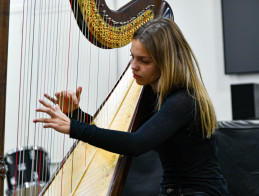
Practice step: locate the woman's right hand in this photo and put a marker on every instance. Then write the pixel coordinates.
(68, 101)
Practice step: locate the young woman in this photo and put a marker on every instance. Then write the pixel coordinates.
(162, 60)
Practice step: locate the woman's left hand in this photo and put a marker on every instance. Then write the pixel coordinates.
(58, 120)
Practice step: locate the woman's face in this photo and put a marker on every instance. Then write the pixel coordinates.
(144, 69)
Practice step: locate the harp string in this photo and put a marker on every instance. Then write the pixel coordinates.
(19, 101)
(77, 64)
(37, 129)
(66, 98)
(18, 130)
(53, 135)
(45, 80)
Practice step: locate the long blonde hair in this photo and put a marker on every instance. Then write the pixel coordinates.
(178, 65)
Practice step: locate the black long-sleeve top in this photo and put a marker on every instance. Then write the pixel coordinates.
(175, 132)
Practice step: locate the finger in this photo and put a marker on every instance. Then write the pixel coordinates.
(52, 126)
(57, 94)
(56, 127)
(68, 97)
(46, 104)
(47, 111)
(64, 97)
(49, 125)
(78, 92)
(61, 97)
(74, 98)
(52, 99)
(57, 108)
(42, 120)
(63, 93)
(66, 93)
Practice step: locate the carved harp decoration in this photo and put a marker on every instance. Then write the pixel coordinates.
(87, 170)
(113, 29)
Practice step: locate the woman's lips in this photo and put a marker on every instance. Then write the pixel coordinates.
(136, 76)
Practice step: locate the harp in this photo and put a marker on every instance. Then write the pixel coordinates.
(105, 29)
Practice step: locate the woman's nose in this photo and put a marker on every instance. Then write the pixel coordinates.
(134, 65)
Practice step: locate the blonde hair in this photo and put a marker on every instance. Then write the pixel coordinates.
(178, 65)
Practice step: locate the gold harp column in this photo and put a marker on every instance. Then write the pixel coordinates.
(4, 24)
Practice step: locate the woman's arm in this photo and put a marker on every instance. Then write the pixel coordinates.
(175, 113)
(81, 116)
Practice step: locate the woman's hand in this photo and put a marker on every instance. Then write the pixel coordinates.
(68, 101)
(58, 120)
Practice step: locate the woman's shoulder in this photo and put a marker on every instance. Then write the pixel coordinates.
(181, 94)
(180, 98)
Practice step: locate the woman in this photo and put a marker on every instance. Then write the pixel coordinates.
(162, 60)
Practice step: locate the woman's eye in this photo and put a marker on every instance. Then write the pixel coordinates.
(143, 61)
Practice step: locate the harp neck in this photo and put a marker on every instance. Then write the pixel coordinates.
(108, 28)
